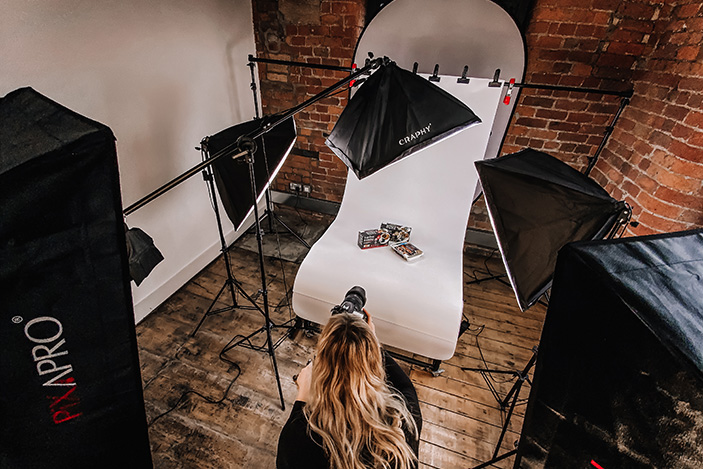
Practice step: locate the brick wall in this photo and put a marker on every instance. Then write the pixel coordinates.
(655, 159)
(654, 156)
(315, 32)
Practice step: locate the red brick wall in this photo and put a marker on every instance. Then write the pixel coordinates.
(315, 32)
(654, 156)
(569, 43)
(655, 159)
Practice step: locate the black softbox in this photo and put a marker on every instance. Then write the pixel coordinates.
(537, 204)
(393, 114)
(619, 376)
(232, 175)
(71, 393)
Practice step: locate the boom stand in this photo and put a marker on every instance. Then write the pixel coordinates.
(510, 401)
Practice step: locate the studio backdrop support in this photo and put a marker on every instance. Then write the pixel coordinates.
(269, 212)
(619, 375)
(71, 394)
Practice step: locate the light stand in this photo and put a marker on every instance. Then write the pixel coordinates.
(269, 213)
(245, 341)
(625, 97)
(231, 283)
(247, 143)
(510, 400)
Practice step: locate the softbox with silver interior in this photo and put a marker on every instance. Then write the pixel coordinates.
(393, 114)
(232, 175)
(537, 204)
(619, 375)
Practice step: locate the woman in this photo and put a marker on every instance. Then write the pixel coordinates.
(355, 408)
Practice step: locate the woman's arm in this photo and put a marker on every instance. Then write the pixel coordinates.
(401, 382)
(303, 383)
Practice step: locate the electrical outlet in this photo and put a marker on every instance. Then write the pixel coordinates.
(306, 188)
(295, 187)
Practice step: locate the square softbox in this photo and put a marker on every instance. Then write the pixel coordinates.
(537, 204)
(71, 393)
(619, 375)
(392, 115)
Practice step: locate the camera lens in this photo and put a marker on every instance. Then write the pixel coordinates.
(357, 296)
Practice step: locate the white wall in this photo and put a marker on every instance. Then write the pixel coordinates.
(162, 75)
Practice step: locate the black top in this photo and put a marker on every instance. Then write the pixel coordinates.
(296, 449)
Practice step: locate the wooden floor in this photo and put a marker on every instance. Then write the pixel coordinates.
(462, 420)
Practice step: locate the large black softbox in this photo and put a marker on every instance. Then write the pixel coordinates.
(232, 175)
(71, 392)
(537, 204)
(619, 376)
(394, 113)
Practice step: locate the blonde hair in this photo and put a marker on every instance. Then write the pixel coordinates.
(360, 420)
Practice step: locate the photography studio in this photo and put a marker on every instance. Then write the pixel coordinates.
(351, 234)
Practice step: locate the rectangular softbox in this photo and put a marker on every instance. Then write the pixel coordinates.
(619, 376)
(71, 393)
(232, 175)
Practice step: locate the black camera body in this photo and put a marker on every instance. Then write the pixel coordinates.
(353, 303)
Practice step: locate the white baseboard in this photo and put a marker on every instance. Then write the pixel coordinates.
(150, 302)
(160, 294)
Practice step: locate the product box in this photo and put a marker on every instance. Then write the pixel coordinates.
(398, 233)
(373, 238)
(407, 251)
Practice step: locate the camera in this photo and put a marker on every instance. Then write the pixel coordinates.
(353, 303)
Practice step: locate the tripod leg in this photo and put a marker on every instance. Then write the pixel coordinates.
(207, 313)
(290, 230)
(522, 376)
(495, 460)
(272, 353)
(507, 418)
(231, 282)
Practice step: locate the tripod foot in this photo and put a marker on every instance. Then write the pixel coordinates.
(437, 372)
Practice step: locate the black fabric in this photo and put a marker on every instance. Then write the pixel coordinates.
(71, 394)
(232, 175)
(298, 450)
(393, 114)
(619, 375)
(537, 204)
(143, 255)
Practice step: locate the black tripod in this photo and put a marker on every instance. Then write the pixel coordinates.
(508, 402)
(230, 284)
(272, 216)
(247, 148)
